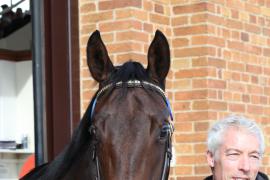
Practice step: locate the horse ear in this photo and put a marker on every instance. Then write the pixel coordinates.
(159, 58)
(98, 59)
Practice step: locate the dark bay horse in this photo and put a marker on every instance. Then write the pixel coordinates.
(126, 131)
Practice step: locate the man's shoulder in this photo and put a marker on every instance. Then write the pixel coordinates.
(262, 176)
(209, 178)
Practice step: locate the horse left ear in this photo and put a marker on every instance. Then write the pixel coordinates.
(159, 59)
(98, 59)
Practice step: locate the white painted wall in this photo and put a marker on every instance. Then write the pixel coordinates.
(16, 101)
(8, 108)
(25, 101)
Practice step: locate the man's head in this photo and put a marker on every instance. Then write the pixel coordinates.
(235, 148)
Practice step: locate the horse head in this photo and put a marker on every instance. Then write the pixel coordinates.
(129, 116)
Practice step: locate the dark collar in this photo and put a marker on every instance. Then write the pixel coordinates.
(260, 176)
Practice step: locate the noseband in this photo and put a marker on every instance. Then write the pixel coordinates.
(167, 127)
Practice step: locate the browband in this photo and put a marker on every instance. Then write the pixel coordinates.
(132, 84)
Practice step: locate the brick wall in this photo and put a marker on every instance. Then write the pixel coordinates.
(220, 62)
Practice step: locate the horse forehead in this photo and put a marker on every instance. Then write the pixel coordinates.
(134, 99)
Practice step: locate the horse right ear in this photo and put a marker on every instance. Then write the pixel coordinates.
(98, 59)
(159, 59)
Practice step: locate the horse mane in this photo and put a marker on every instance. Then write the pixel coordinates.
(61, 164)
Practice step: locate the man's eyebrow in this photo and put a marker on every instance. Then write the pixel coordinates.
(239, 151)
(255, 152)
(232, 149)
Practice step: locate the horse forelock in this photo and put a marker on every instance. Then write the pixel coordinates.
(129, 71)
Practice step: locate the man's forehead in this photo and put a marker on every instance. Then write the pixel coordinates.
(240, 139)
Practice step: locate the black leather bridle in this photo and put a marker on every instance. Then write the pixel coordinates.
(166, 131)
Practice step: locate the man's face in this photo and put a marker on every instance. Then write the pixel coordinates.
(238, 157)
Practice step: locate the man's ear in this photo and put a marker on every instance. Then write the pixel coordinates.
(210, 159)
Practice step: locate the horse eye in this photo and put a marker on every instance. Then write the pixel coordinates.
(163, 134)
(165, 130)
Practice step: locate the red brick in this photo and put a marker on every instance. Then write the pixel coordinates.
(182, 20)
(196, 51)
(191, 95)
(160, 19)
(200, 148)
(235, 66)
(266, 52)
(252, 28)
(244, 36)
(253, 89)
(148, 27)
(246, 98)
(215, 62)
(219, 20)
(254, 109)
(96, 17)
(180, 170)
(202, 169)
(199, 83)
(189, 73)
(159, 9)
(252, 19)
(188, 159)
(121, 58)
(200, 7)
(234, 14)
(236, 4)
(183, 148)
(252, 8)
(200, 62)
(200, 18)
(236, 86)
(201, 126)
(181, 106)
(190, 30)
(119, 47)
(253, 69)
(86, 8)
(213, 83)
(183, 126)
(187, 138)
(220, 42)
(180, 42)
(113, 4)
(234, 24)
(217, 105)
(199, 40)
(266, 31)
(132, 35)
(192, 116)
(240, 108)
(200, 105)
(119, 25)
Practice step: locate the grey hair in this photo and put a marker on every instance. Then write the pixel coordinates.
(215, 134)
